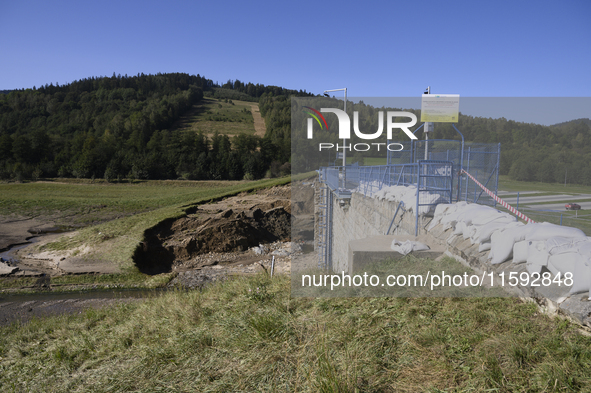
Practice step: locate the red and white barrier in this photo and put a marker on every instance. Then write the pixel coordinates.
(499, 200)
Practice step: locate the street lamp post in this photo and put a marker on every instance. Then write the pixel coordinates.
(344, 142)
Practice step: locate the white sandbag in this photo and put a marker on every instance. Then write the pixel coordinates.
(442, 209)
(562, 263)
(575, 264)
(418, 246)
(472, 211)
(468, 232)
(537, 253)
(584, 248)
(559, 245)
(459, 229)
(520, 251)
(533, 268)
(448, 225)
(502, 242)
(486, 231)
(459, 214)
(484, 247)
(501, 247)
(581, 276)
(486, 216)
(408, 246)
(545, 230)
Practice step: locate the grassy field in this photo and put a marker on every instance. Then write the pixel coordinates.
(75, 203)
(506, 184)
(212, 115)
(124, 211)
(248, 334)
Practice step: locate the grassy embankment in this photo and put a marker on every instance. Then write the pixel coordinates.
(248, 334)
(123, 212)
(215, 115)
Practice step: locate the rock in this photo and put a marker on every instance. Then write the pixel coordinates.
(6, 269)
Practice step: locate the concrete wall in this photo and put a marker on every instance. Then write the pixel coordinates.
(361, 217)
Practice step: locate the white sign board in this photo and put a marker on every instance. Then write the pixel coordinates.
(440, 108)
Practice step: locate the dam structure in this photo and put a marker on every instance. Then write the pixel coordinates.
(448, 201)
(354, 202)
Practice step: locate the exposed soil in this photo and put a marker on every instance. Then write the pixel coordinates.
(235, 224)
(221, 233)
(244, 234)
(17, 229)
(259, 123)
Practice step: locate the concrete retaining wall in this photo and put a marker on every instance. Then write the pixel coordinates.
(362, 217)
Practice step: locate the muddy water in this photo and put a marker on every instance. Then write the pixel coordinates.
(23, 308)
(94, 294)
(10, 254)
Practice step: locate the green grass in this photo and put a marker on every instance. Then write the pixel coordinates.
(212, 115)
(506, 184)
(83, 203)
(233, 337)
(407, 266)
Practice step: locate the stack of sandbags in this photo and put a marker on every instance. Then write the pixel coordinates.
(557, 248)
(408, 195)
(559, 254)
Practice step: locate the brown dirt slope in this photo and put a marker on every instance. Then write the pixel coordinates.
(232, 225)
(259, 122)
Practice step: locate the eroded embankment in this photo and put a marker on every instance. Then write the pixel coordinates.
(232, 225)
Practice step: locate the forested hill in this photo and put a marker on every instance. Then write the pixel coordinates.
(585, 121)
(529, 152)
(122, 127)
(532, 152)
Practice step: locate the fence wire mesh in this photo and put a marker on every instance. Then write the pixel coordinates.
(481, 160)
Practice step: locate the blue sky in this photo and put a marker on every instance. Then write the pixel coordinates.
(374, 48)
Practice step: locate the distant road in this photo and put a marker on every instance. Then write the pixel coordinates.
(558, 207)
(524, 200)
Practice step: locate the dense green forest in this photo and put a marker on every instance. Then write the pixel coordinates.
(529, 152)
(123, 127)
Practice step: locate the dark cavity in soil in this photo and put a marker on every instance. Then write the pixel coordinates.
(208, 231)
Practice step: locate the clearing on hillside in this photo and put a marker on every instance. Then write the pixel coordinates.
(259, 122)
(224, 116)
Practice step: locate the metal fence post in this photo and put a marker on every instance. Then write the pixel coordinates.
(467, 170)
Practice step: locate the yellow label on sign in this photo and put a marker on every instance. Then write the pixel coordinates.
(440, 108)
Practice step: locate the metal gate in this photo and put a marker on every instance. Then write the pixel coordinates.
(434, 186)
